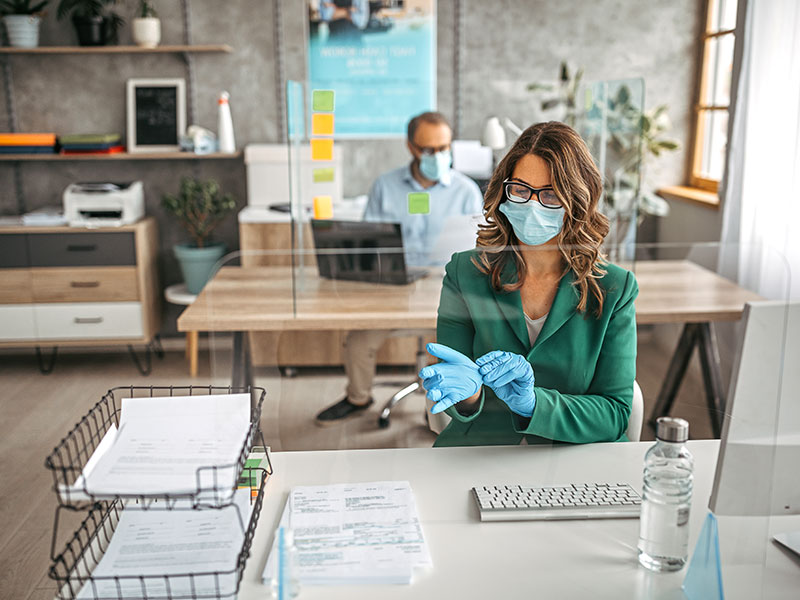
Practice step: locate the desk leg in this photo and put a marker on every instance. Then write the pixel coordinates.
(242, 370)
(675, 372)
(712, 378)
(192, 343)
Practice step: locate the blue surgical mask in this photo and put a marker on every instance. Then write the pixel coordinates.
(533, 223)
(436, 167)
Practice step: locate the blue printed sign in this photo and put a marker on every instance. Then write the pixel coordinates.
(379, 58)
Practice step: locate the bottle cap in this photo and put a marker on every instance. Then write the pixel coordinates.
(224, 97)
(669, 429)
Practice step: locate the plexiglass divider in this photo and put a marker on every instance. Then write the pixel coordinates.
(610, 120)
(677, 285)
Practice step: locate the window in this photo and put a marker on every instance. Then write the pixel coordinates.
(711, 122)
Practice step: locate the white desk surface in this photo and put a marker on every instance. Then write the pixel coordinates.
(546, 559)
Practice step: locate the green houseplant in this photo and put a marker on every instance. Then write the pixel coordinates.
(94, 23)
(634, 137)
(199, 206)
(22, 18)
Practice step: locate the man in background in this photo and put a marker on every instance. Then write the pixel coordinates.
(450, 194)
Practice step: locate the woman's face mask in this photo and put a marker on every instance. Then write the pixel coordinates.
(436, 166)
(533, 223)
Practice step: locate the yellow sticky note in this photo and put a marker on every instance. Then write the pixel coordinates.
(323, 207)
(321, 124)
(321, 149)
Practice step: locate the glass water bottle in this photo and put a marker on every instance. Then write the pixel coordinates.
(666, 498)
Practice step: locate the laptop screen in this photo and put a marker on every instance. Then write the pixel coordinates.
(370, 251)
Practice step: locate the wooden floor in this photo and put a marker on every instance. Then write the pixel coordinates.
(39, 409)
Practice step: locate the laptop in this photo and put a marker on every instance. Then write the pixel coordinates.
(374, 252)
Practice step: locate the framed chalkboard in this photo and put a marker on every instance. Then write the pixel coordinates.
(156, 114)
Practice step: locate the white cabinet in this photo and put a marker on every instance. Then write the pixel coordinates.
(17, 323)
(62, 285)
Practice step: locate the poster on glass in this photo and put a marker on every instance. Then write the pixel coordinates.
(379, 57)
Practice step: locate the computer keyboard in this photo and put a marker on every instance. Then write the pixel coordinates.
(576, 501)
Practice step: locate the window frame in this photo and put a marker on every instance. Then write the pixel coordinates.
(701, 110)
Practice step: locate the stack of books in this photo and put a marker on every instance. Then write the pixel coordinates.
(27, 143)
(91, 143)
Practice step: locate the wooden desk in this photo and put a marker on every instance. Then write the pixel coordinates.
(248, 299)
(545, 559)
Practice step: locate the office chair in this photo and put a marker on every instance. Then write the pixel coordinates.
(421, 360)
(634, 431)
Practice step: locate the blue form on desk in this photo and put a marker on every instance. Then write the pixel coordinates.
(703, 580)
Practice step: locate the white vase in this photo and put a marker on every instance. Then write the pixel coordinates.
(147, 32)
(23, 30)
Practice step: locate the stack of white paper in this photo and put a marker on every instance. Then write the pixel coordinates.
(152, 544)
(168, 446)
(45, 216)
(361, 533)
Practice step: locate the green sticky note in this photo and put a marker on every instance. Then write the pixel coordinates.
(419, 203)
(322, 100)
(322, 175)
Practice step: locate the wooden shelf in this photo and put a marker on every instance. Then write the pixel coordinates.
(117, 49)
(694, 195)
(120, 156)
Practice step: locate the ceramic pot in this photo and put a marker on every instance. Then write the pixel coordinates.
(93, 31)
(197, 264)
(23, 30)
(146, 32)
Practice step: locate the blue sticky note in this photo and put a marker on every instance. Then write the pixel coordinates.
(703, 579)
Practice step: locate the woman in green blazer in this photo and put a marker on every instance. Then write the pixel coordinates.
(536, 332)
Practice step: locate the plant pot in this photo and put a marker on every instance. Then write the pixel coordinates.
(93, 31)
(23, 30)
(146, 32)
(197, 264)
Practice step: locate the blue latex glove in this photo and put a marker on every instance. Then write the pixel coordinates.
(511, 378)
(451, 381)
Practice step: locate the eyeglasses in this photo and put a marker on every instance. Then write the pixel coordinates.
(430, 150)
(521, 193)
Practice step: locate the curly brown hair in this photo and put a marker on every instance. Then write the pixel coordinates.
(577, 183)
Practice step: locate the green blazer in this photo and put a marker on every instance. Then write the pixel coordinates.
(583, 366)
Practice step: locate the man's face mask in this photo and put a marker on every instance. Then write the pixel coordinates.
(436, 166)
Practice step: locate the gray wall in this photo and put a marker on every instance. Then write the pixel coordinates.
(506, 45)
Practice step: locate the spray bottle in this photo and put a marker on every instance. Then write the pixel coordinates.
(227, 144)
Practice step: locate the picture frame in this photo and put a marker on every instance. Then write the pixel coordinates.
(156, 114)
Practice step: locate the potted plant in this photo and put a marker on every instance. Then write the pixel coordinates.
(94, 23)
(147, 26)
(634, 136)
(22, 18)
(199, 206)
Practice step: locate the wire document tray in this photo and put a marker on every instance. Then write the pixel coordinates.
(68, 460)
(73, 568)
(70, 456)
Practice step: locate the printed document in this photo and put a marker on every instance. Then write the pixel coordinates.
(353, 533)
(177, 543)
(170, 446)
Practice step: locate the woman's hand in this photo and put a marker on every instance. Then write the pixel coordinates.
(451, 381)
(511, 378)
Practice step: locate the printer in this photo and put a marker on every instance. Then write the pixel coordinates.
(103, 204)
